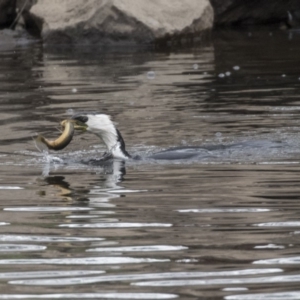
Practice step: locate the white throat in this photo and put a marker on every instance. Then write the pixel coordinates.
(103, 127)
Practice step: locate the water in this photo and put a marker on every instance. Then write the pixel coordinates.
(221, 226)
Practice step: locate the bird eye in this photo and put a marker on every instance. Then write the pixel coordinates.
(82, 119)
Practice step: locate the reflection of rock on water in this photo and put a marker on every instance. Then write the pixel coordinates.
(11, 39)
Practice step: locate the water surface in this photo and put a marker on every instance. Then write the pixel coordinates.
(222, 226)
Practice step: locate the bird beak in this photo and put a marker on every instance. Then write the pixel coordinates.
(77, 124)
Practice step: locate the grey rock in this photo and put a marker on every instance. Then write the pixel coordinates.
(7, 12)
(229, 12)
(120, 21)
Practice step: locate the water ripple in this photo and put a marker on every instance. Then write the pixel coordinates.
(134, 277)
(138, 248)
(47, 274)
(266, 296)
(47, 209)
(224, 210)
(102, 295)
(10, 188)
(122, 191)
(230, 289)
(279, 224)
(4, 223)
(269, 246)
(42, 238)
(16, 247)
(286, 260)
(82, 217)
(221, 281)
(115, 225)
(81, 261)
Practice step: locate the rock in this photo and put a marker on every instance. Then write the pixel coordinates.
(229, 12)
(25, 5)
(7, 12)
(11, 12)
(124, 21)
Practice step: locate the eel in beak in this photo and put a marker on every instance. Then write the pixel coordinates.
(65, 138)
(62, 141)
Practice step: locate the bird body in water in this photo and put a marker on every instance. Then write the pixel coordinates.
(102, 126)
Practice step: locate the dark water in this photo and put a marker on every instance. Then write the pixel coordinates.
(223, 226)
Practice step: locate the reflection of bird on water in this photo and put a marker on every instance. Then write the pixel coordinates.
(102, 126)
(105, 188)
(63, 186)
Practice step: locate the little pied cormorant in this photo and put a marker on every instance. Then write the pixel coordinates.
(102, 126)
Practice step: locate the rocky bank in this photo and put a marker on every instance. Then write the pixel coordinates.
(119, 21)
(131, 22)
